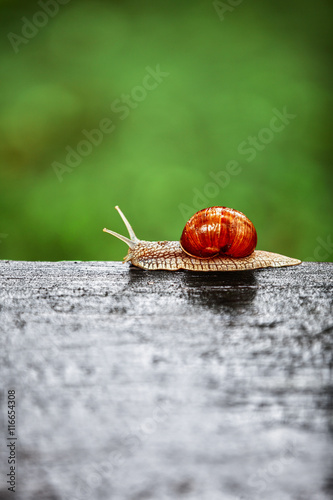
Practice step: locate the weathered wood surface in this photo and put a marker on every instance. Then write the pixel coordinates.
(156, 385)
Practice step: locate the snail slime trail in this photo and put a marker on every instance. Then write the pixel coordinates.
(214, 239)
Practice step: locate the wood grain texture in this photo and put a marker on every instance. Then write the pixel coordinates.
(135, 385)
(169, 256)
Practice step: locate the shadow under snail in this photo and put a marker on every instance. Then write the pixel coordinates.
(214, 239)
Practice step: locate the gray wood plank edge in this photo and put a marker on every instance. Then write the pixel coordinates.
(133, 384)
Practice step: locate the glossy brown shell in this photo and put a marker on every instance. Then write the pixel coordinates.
(218, 231)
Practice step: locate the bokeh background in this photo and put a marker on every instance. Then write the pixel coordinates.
(228, 68)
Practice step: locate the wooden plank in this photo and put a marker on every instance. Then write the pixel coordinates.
(133, 384)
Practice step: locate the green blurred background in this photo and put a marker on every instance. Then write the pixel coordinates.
(228, 68)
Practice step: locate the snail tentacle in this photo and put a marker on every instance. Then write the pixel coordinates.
(127, 224)
(133, 240)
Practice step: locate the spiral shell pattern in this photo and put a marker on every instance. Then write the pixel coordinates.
(219, 231)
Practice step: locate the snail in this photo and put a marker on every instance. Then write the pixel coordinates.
(214, 239)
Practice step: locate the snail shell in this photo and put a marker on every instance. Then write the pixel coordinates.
(218, 231)
(231, 251)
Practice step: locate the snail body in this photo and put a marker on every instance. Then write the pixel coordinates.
(214, 239)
